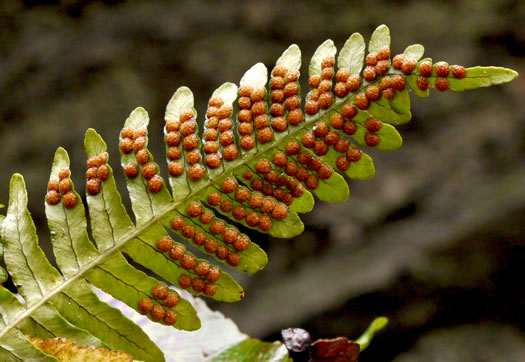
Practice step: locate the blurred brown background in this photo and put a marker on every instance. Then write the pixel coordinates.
(435, 242)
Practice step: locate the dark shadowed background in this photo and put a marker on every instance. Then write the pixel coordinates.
(435, 241)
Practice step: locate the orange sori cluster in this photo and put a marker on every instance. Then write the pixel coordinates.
(252, 108)
(318, 170)
(321, 95)
(344, 121)
(158, 312)
(97, 171)
(135, 140)
(267, 189)
(189, 262)
(285, 99)
(253, 219)
(184, 130)
(60, 189)
(219, 126)
(442, 71)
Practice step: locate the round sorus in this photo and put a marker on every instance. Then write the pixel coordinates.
(373, 93)
(202, 269)
(308, 140)
(225, 111)
(242, 243)
(185, 130)
(327, 62)
(188, 231)
(280, 159)
(382, 67)
(258, 108)
(199, 238)
(459, 72)
(212, 112)
(383, 53)
(279, 71)
(257, 184)
(160, 292)
(340, 89)
(64, 186)
(311, 107)
(342, 146)
(265, 223)
(369, 74)
(242, 194)
(233, 259)
(408, 66)
(226, 138)
(313, 95)
(291, 76)
(53, 197)
(350, 127)
(277, 110)
(425, 68)
(373, 125)
(172, 125)
(186, 115)
(214, 198)
(342, 75)
(342, 163)
(267, 205)
(312, 182)
(126, 145)
(211, 245)
(91, 162)
(324, 172)
(353, 83)
(190, 142)
(245, 129)
(291, 89)
(301, 175)
(325, 100)
(293, 148)
(331, 138)
(149, 170)
(297, 192)
(398, 82)
(230, 235)
(325, 87)
(247, 142)
(371, 58)
(217, 227)
(185, 281)
(267, 189)
(63, 173)
(171, 300)
(158, 312)
(354, 154)
(230, 152)
(170, 318)
(295, 117)
(145, 305)
(386, 83)
(252, 219)
(165, 244)
(247, 175)
(229, 185)
(314, 81)
(194, 209)
(239, 212)
(206, 217)
(213, 160)
(423, 83)
(244, 115)
(442, 69)
(53, 183)
(142, 156)
(315, 164)
(321, 129)
(225, 125)
(361, 101)
(304, 158)
(277, 82)
(226, 205)
(174, 153)
(441, 84)
(279, 212)
(279, 124)
(349, 111)
(245, 103)
(196, 172)
(245, 91)
(155, 183)
(210, 290)
(188, 262)
(336, 120)
(327, 73)
(140, 142)
(197, 284)
(177, 252)
(69, 200)
(264, 135)
(371, 139)
(175, 168)
(177, 223)
(389, 93)
(263, 166)
(257, 95)
(256, 200)
(222, 252)
(277, 96)
(261, 121)
(320, 148)
(103, 172)
(128, 132)
(398, 60)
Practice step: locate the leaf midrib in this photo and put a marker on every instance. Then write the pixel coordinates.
(174, 205)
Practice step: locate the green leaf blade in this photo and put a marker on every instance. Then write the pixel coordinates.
(380, 38)
(352, 54)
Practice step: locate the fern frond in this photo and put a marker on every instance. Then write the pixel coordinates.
(261, 159)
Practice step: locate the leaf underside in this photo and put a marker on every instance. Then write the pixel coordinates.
(258, 163)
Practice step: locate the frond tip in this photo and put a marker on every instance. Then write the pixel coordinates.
(258, 163)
